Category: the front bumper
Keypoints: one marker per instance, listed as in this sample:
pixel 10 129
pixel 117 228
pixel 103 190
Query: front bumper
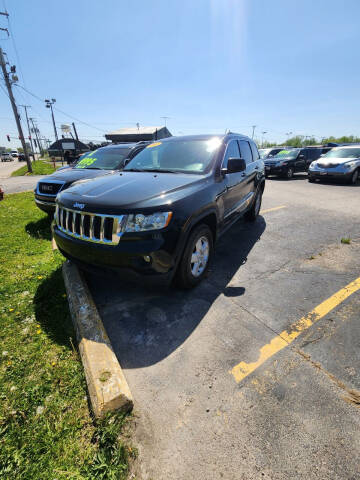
pixel 276 170
pixel 45 203
pixel 133 257
pixel 330 174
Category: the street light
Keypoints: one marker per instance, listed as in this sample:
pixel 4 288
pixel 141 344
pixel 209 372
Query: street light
pixel 49 104
pixel 288 135
pixel 262 140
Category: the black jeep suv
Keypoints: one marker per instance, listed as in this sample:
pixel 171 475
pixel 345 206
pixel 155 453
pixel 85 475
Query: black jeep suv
pixel 289 161
pixel 162 214
pixel 103 161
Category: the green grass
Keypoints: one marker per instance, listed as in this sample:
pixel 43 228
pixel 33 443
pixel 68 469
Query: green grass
pixel 39 168
pixel 46 428
pixel 346 241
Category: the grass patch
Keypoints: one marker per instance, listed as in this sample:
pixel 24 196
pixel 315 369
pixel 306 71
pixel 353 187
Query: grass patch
pixel 46 429
pixel 40 167
pixel 346 241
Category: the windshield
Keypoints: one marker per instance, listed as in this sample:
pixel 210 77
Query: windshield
pixel 104 159
pixel 293 153
pixel 187 156
pixel 343 153
pixel 264 152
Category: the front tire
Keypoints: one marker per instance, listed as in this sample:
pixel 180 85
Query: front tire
pixel 289 173
pixel 354 177
pixel 254 211
pixel 195 261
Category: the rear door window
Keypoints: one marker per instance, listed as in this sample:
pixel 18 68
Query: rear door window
pixel 255 152
pixel 245 151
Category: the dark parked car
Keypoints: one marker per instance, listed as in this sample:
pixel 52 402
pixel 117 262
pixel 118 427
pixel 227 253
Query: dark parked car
pixel 289 161
pixel 341 163
pixel 103 161
pixel 162 214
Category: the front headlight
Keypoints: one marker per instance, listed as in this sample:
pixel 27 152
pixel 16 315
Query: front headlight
pixel 349 164
pixel 313 164
pixel 142 223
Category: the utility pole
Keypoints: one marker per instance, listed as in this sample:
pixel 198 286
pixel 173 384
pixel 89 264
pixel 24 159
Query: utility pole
pixel 13 104
pixel 76 135
pixel 49 104
pixel 28 125
pixel 35 130
pixel 253 132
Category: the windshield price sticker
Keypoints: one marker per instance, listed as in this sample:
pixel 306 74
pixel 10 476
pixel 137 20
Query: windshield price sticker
pixel 154 144
pixel 85 162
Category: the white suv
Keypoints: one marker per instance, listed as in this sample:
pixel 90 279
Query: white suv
pixel 6 157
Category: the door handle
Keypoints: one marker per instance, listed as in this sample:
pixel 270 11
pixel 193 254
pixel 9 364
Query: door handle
pixel 243 174
pixel 257 167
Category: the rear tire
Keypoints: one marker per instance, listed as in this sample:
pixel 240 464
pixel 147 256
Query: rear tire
pixel 252 214
pixel 196 259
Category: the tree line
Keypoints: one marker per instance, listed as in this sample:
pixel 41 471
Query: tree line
pixel 302 141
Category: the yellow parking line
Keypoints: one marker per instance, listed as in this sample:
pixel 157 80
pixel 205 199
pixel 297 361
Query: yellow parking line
pixel 279 342
pixel 272 209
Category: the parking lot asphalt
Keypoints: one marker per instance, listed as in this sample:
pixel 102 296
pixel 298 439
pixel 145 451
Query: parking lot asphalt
pixel 296 414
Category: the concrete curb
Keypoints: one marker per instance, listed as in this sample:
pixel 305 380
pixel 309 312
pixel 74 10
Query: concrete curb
pixel 107 385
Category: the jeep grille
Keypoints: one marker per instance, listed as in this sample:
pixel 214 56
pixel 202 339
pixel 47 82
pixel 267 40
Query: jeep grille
pixel 91 227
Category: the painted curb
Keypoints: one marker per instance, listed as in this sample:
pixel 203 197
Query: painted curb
pixel 108 388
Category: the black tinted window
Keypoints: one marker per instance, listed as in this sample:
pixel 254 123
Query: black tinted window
pixel 315 154
pixel 255 152
pixel 232 151
pixel 245 151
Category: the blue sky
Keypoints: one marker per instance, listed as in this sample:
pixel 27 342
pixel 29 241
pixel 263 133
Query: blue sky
pixel 209 65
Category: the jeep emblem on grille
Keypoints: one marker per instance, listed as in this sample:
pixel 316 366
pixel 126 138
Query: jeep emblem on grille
pixel 79 205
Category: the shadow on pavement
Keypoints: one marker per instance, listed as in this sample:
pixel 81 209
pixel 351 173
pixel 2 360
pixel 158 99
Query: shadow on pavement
pixel 145 326
pixel 297 176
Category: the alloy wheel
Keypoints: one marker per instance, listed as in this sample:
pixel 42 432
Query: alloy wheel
pixel 200 256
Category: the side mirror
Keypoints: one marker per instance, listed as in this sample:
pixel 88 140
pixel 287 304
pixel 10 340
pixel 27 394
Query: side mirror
pixel 126 161
pixel 235 165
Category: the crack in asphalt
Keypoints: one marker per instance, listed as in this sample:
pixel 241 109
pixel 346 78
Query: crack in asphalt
pixel 353 395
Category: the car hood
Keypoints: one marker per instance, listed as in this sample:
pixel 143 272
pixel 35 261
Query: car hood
pixel 335 161
pixel 131 190
pixel 70 175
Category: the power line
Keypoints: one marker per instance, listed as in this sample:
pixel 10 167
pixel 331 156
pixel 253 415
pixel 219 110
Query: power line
pixel 60 111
